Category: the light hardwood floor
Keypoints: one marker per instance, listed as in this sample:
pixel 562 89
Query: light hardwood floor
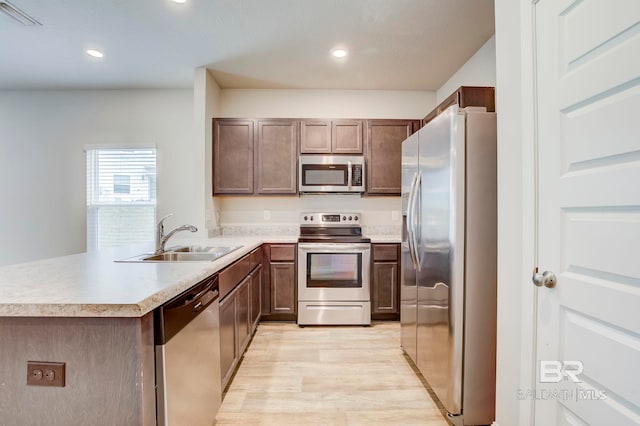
pixel 328 376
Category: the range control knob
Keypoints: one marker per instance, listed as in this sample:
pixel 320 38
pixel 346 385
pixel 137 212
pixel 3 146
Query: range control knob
pixel 356 217
pixel 305 218
pixel 350 218
pixel 311 218
pixel 344 218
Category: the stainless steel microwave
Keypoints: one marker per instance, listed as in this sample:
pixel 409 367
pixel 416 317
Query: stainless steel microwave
pixel 331 174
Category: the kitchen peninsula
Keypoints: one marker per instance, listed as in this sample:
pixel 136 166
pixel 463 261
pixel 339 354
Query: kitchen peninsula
pixel 96 316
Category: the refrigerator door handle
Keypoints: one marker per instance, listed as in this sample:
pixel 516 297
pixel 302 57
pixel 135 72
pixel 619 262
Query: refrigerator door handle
pixel 414 222
pixel 410 229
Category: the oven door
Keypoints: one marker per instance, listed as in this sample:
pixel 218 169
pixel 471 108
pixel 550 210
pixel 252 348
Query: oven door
pixel 333 271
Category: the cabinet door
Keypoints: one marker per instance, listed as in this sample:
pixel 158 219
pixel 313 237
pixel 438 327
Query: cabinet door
pixel 256 297
pixel 243 315
pixel 232 156
pixel 384 155
pixel 384 297
pixel 315 137
pixel 276 157
pixel 283 288
pixel 346 136
pixel 228 338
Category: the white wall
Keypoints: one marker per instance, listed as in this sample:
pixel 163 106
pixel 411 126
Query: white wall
pixel 206 93
pixel 42 161
pixel 377 211
pixel 479 70
pixel 326 103
pixel 285 210
pixel 514 361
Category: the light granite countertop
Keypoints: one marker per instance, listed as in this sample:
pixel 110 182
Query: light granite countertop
pixel 93 285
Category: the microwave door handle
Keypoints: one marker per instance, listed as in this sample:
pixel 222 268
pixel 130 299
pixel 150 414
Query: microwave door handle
pixel 349 175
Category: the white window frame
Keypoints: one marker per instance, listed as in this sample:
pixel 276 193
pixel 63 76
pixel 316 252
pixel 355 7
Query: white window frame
pixel 93 204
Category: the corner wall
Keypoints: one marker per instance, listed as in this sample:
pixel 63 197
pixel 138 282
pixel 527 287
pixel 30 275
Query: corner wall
pixel 479 70
pixel 42 161
pixel 515 359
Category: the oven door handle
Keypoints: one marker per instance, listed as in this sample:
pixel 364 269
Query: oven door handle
pixel 333 247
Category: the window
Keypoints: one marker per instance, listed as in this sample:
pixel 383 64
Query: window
pixel 121 196
pixel 121 184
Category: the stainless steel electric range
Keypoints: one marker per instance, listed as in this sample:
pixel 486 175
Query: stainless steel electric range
pixel 333 270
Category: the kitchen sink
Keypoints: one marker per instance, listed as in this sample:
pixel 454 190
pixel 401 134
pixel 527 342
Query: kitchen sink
pixel 185 254
pixel 180 257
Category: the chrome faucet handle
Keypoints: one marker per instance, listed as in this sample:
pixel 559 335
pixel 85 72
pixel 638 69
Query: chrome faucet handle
pixel 160 233
pixel 161 221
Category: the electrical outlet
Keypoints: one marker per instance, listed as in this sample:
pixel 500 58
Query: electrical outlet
pixel 267 215
pixel 45 373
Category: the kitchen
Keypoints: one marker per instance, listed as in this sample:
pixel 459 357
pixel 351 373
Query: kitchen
pixel 164 116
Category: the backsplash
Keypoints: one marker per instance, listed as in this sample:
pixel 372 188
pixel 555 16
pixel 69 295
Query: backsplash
pixel 255 229
pixel 268 211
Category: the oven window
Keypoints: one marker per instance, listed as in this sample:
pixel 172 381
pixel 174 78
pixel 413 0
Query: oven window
pixel 322 174
pixel 334 270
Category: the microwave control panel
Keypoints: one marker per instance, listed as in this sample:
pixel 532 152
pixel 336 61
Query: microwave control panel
pixel 357 175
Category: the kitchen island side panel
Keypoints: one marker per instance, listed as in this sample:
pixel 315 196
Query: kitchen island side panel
pixel 109 371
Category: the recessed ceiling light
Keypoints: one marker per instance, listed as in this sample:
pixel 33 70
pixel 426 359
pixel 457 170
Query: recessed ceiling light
pixel 339 52
pixel 95 53
pixel 179 1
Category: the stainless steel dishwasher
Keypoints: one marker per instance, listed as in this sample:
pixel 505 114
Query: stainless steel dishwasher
pixel 187 351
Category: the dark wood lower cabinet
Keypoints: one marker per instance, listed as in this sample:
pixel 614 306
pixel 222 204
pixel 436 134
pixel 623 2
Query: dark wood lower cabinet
pixel 244 319
pixel 385 282
pixel 256 297
pixel 283 295
pixel 279 286
pixel 239 310
pixel 228 339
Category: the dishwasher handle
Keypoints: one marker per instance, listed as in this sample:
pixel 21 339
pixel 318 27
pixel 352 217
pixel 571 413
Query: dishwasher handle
pixel 174 315
pixel 192 297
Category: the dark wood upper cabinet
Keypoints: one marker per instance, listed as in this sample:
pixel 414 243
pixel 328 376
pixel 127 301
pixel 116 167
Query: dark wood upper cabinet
pixel 315 137
pixel 233 156
pixel 340 136
pixel 276 150
pixel 346 136
pixel 384 154
pixel 466 96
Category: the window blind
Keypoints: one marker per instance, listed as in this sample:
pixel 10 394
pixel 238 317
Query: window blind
pixel 121 196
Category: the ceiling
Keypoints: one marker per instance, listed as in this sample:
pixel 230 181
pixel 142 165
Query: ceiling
pixel 392 44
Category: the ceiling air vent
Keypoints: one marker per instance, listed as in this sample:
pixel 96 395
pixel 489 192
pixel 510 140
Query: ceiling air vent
pixel 17 15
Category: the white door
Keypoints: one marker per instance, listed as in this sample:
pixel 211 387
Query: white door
pixel 588 326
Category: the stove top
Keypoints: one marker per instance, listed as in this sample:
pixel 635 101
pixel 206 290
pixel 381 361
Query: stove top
pixel 331 227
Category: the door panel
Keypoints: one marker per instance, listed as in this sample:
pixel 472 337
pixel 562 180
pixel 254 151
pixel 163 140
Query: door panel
pixel 589 208
pixel 441 248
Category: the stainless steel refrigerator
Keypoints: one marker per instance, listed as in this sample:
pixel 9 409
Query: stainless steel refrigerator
pixel 448 291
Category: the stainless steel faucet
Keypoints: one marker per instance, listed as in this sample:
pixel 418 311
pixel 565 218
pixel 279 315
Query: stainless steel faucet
pixel 161 238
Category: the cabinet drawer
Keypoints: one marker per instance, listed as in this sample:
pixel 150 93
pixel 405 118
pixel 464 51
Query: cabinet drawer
pixel 283 253
pixel 385 252
pixel 255 258
pixel 232 275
